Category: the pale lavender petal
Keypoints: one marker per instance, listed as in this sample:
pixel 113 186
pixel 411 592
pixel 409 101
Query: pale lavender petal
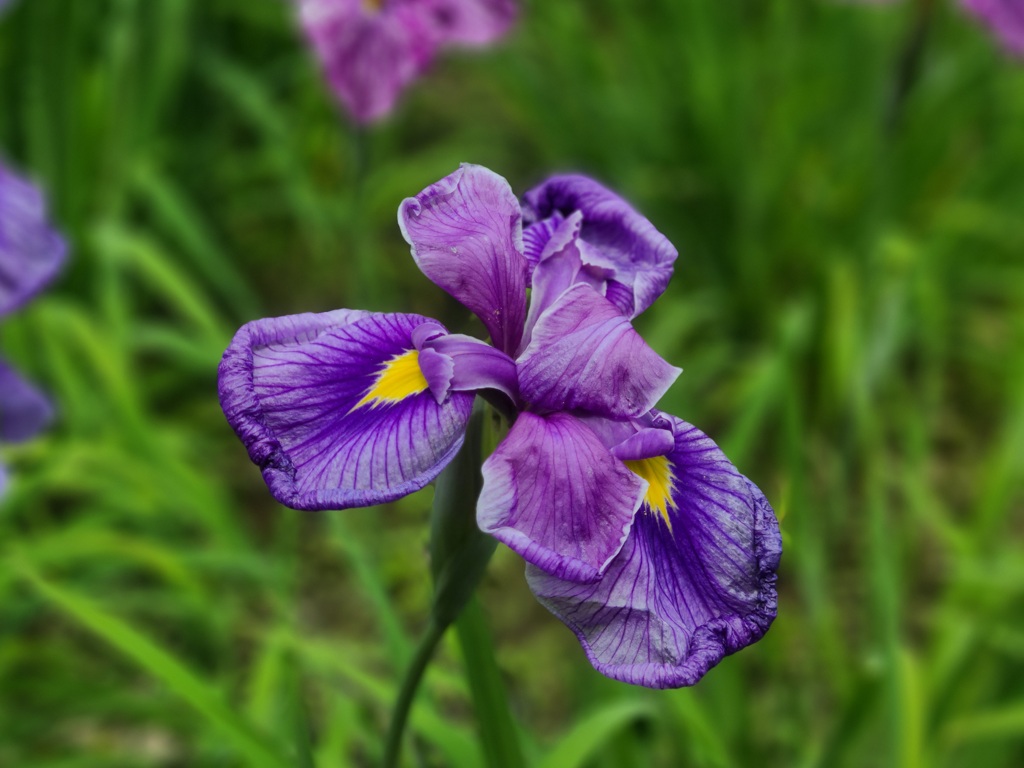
pixel 466 235
pixel 584 355
pixel 620 240
pixel 1005 18
pixel 680 595
pixel 24 410
pixel 368 57
pixel 294 390
pixel 553 493
pixel 31 252
pixel 468 22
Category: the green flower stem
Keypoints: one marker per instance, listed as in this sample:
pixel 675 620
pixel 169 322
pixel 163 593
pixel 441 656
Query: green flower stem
pixel 410 684
pixel 498 735
pixel 459 553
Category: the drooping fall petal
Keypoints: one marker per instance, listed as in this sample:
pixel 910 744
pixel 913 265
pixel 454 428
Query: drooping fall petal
pixel 554 494
pixel 336 409
pixel 695 580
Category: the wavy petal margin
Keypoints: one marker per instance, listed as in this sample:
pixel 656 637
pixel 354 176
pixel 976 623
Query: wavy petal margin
pixel 295 391
pixel 466 235
pixel 616 238
pixel 681 595
pixel 554 494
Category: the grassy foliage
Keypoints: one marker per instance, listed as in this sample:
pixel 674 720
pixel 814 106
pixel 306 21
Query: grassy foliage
pixel 849 310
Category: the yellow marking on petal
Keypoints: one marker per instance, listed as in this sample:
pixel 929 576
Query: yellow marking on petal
pixel 400 378
pixel 372 5
pixel 658 473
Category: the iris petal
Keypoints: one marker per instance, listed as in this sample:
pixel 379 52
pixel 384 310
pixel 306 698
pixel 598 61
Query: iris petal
pixel 24 410
pixel 553 493
pixel 621 241
pixel 469 22
pixel 1005 18
pixel 536 237
pixel 477 366
pixel 584 355
pixel 31 252
pixel 681 594
pixel 293 389
pixel 466 236
pixel 369 58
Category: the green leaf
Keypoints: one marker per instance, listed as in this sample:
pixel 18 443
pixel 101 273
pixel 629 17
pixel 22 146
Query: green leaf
pixel 498 734
pixel 206 700
pixel 594 732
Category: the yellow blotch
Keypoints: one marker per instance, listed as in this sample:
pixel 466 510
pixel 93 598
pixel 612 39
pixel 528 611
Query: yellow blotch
pixel 399 378
pixel 658 473
pixel 372 5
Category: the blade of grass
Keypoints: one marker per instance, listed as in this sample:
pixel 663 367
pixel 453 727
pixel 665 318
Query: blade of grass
pixel 593 732
pixel 257 748
pixel 498 735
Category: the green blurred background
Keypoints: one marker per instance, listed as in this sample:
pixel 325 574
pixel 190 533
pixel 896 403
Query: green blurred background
pixel 848 308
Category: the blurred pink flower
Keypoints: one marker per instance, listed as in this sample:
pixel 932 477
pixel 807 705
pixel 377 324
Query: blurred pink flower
pixel 1005 18
pixel 371 50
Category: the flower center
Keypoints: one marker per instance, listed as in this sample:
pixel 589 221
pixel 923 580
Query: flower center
pixel 658 473
pixel 372 6
pixel 400 378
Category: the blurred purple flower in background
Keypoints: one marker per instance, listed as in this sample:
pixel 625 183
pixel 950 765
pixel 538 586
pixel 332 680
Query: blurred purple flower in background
pixel 637 532
pixel 31 254
pixel 1005 18
pixel 371 50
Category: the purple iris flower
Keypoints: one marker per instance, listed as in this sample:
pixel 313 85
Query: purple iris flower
pixel 1004 17
pixel 31 253
pixel 637 532
pixel 371 50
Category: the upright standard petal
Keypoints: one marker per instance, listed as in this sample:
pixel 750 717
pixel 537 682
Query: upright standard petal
pixel 468 22
pixel 694 582
pixel 369 57
pixel 466 235
pixel 615 238
pixel 31 252
pixel 24 410
pixel 553 493
pixel 1005 18
pixel 336 409
pixel 585 356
